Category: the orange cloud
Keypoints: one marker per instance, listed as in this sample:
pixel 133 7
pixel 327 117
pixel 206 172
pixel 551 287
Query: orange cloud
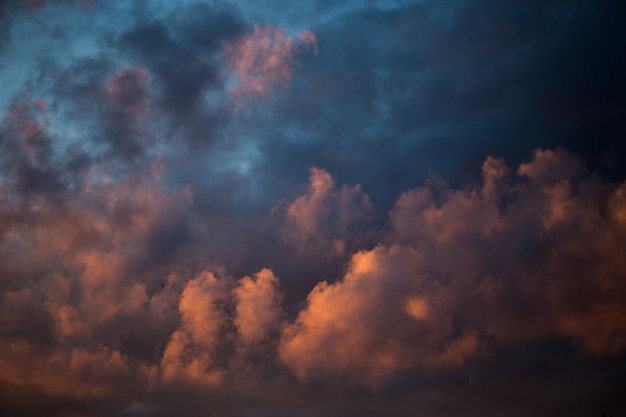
pixel 258 307
pixel 190 351
pixel 326 217
pixel 265 58
pixel 365 325
pixel 82 271
pixel 73 373
pixel 510 261
pixel 457 272
pixel 215 313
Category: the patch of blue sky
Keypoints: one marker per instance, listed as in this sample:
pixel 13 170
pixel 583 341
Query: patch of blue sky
pixel 296 134
pixel 56 34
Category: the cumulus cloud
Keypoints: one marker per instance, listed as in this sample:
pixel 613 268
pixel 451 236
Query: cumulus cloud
pixel 326 217
pixel 464 270
pixel 366 325
pixel 529 254
pixel 162 252
pixel 258 307
pixel 266 58
pixel 459 273
pixel 78 249
pixel 191 349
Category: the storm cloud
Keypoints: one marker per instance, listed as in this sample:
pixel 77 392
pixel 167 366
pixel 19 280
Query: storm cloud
pixel 399 208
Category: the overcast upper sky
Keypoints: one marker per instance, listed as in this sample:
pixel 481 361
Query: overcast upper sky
pixel 312 208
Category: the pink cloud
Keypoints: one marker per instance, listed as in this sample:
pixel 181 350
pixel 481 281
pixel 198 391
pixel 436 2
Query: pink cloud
pixel 128 90
pixel 265 59
pixel 258 307
pixel 458 272
pixel 366 326
pixel 190 351
pixel 214 313
pixel 326 217
pixel 74 373
pixel 548 262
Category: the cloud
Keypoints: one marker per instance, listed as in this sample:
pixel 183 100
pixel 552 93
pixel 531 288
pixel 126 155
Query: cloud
pixel 190 350
pixel 75 373
pixel 265 58
pixel 465 270
pixel 14 12
pixel 458 275
pixel 127 89
pixel 82 247
pixel 170 69
pixel 125 101
pixel 226 329
pixel 402 93
pixel 30 164
pixel 157 243
pixel 326 217
pixel 258 307
pixel 360 326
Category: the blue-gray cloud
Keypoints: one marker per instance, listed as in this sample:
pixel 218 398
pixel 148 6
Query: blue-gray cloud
pixel 142 198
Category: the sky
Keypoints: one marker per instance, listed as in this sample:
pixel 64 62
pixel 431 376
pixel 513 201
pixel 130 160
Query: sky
pixel 313 208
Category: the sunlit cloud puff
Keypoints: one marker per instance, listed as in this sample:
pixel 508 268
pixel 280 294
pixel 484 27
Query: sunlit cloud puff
pixel 266 58
pixel 327 217
pixel 462 270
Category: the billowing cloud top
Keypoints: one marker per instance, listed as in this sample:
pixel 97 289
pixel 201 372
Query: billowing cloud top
pixel 236 209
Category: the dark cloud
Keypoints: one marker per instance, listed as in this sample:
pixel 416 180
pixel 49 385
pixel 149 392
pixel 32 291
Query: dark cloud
pixel 206 212
pixel 29 164
pixel 460 276
pixel 433 89
pixel 180 52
